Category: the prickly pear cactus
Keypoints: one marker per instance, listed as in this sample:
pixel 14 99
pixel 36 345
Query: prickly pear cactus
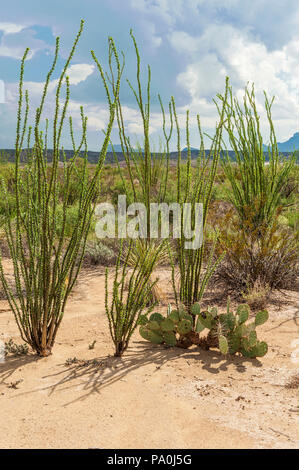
pixel 167 330
pixel 231 333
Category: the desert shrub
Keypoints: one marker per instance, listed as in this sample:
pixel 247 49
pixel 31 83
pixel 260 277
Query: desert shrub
pixel 268 256
pixel 124 310
pixel 46 265
pixel 97 253
pixel 8 174
pixel 149 170
pixel 176 329
pixel 3 158
pixel 229 331
pixel 118 189
pixel 66 219
pixel 144 177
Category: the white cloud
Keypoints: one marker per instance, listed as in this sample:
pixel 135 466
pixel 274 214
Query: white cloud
pixel 225 50
pixel 14 52
pixel 203 78
pixel 10 28
pixel 79 72
pixel 15 40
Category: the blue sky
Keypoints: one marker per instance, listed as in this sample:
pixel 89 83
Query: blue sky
pixel 191 46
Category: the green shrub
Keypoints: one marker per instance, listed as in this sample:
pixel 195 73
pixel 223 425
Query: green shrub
pixel 269 257
pixel 98 253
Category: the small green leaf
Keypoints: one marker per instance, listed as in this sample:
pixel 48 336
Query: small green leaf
pixel 206 319
pixel 186 316
pixel 182 312
pixel 260 349
pixel 230 320
pixel 234 344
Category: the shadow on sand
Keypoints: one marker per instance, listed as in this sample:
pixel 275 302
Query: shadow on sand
pixel 12 363
pixel 96 374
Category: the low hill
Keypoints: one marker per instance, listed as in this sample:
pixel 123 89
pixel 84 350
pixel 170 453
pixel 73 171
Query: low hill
pixel 8 155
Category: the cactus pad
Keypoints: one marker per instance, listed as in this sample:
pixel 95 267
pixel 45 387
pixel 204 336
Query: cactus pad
pixel 195 309
pixel 261 317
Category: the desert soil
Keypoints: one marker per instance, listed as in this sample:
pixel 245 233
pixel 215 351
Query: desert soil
pixel 153 397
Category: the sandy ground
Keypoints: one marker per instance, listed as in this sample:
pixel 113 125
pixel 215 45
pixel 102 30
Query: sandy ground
pixel 153 397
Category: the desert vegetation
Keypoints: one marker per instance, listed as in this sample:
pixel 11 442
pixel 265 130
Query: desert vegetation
pixel 249 245
pixel 48 211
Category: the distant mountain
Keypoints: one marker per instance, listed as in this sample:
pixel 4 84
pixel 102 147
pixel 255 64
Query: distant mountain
pixel 193 149
pixel 288 146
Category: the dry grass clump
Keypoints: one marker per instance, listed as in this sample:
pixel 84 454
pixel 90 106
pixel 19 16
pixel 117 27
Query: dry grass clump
pixel 257 296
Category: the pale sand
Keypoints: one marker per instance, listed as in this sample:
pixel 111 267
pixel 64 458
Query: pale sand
pixel 153 397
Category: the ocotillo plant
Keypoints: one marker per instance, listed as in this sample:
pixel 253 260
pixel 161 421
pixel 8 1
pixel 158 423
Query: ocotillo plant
pixel 143 165
pixel 257 185
pixel 46 266
pixel 126 310
pixel 192 283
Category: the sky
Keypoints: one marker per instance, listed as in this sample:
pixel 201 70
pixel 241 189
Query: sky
pixel 191 46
